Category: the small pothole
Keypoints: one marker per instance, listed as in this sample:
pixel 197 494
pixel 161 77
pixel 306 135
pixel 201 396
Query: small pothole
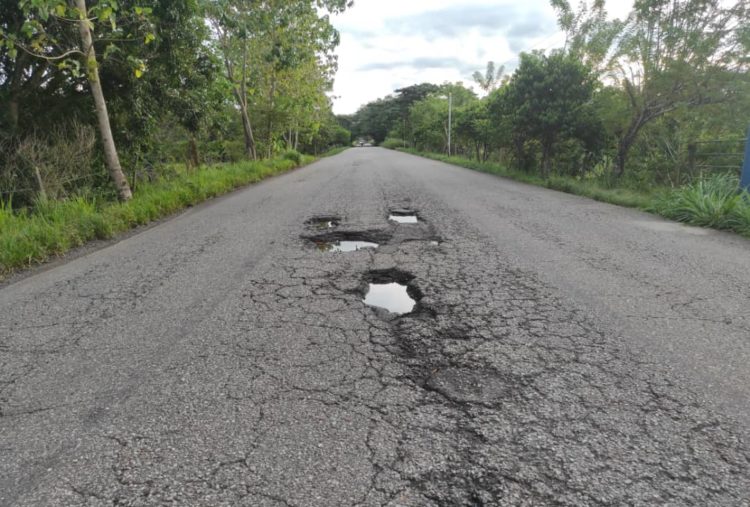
pixel 347 241
pixel 344 246
pixel 391 290
pixel 403 216
pixel 324 222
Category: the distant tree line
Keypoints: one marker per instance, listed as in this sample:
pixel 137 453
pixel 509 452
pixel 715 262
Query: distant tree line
pixel 99 92
pixel 621 97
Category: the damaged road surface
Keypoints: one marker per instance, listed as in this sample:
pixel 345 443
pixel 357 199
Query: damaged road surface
pixel 558 351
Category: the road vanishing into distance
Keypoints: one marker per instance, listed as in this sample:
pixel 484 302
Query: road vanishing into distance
pixel 561 352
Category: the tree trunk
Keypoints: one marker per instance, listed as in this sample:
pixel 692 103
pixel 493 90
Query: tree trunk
pixel 269 126
pixel 546 159
pixel 623 148
pixel 240 93
pixel 13 113
pixel 195 159
pixel 110 151
pixel 628 139
pixel 247 128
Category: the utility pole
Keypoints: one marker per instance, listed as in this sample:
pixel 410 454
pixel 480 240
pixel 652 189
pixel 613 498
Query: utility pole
pixel 450 114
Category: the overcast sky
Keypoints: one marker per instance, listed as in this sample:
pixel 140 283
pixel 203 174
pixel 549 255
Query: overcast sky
pixel 389 44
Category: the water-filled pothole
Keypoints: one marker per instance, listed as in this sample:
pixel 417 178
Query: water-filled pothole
pixel 344 246
pixel 324 222
pixel 348 241
pixel 393 297
pixel 403 216
pixel 391 290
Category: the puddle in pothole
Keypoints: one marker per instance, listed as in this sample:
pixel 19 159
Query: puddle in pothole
pixel 324 222
pixel 404 219
pixel 344 246
pixel 391 296
pixel 403 216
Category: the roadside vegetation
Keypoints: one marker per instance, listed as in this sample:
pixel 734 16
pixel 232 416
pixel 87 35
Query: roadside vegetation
pixel 600 189
pixel 113 114
pixel 712 201
pixel 650 111
pixel 52 227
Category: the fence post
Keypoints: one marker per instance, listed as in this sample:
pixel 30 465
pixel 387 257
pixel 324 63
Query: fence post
pixel 692 148
pixel 745 181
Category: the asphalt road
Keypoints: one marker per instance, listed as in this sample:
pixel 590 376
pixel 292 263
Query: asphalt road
pixel 562 352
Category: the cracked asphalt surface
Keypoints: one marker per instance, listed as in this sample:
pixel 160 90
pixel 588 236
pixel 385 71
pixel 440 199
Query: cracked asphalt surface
pixel 562 352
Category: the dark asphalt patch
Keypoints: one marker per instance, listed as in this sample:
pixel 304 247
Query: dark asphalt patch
pixel 459 385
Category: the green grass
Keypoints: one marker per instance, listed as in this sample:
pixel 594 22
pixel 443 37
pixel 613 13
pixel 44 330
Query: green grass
pixel 593 188
pixel 335 151
pixel 55 227
pixel 712 202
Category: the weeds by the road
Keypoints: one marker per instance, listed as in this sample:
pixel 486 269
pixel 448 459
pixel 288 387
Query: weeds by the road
pixel 592 188
pixel 54 227
pixel 335 151
pixel 711 202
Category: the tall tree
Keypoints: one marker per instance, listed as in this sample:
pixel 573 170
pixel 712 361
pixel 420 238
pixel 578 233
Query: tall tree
pixel 46 34
pixel 232 25
pixel 589 32
pixel 548 99
pixel 679 54
pixel 259 39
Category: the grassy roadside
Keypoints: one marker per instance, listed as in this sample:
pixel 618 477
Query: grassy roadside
pixel 587 188
pixel 713 202
pixel 54 227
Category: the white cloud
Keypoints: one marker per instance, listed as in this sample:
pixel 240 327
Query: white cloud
pixel 388 44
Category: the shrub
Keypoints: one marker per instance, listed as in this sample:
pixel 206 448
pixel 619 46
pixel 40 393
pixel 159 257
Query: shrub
pixel 392 143
pixel 739 220
pixel 57 162
pixel 292 155
pixel 709 202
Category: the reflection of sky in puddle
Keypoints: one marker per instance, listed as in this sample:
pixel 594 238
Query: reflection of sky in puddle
pixel 324 223
pixel 345 246
pixel 404 219
pixel 391 296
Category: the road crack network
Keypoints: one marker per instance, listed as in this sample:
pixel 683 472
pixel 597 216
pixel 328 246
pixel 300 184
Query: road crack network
pixel 494 391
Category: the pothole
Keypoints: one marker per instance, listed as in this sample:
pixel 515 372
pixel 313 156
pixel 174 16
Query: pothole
pixel 390 290
pixel 324 222
pixel 344 246
pixel 347 241
pixel 403 216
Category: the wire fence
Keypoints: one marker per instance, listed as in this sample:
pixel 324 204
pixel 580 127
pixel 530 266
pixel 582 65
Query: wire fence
pixel 36 190
pixel 715 155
